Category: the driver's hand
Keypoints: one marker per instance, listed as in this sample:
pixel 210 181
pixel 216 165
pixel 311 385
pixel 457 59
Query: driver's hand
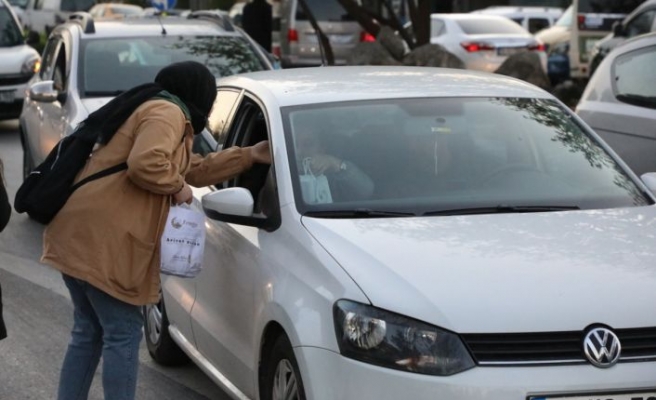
pixel 322 163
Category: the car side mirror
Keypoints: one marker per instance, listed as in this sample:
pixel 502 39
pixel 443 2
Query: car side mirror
pixel 236 202
pixel 44 92
pixel 649 179
pixel 618 29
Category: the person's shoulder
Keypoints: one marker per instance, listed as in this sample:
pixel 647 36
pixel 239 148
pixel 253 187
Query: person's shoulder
pixel 162 107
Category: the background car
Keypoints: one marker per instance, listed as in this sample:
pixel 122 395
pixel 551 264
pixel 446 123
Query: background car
pixel 18 65
pixel 86 63
pixel 556 40
pixel 642 20
pixel 467 267
pixel 114 10
pixel 483 42
pixel 533 19
pixel 41 16
pixel 619 102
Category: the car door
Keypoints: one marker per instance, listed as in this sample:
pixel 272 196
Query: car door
pixel 223 315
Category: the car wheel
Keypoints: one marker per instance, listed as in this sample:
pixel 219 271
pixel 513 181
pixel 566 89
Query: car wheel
pixel 282 379
pixel 160 344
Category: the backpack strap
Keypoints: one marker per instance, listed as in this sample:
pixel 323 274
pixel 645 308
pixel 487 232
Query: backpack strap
pixel 100 174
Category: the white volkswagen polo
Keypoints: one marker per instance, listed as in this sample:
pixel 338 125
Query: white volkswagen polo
pixel 421 234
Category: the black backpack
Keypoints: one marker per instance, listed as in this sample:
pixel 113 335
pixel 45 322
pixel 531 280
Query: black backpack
pixel 45 191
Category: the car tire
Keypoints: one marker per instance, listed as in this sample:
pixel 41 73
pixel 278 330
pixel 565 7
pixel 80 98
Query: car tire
pixel 281 373
pixel 161 346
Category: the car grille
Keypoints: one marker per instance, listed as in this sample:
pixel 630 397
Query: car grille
pixel 7 80
pixel 554 347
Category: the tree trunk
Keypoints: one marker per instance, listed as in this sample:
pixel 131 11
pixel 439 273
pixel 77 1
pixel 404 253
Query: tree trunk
pixel 324 44
pixel 361 15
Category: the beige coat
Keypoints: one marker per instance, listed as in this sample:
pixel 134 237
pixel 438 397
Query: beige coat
pixel 108 232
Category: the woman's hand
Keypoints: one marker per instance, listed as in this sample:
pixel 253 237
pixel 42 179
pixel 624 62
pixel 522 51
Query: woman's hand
pixel 260 152
pixel 183 196
pixel 322 163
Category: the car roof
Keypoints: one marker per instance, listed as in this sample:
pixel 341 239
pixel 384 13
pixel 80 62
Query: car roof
pixel 348 83
pixel 151 26
pixel 636 42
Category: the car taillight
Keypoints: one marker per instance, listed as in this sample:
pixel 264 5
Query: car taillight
pixel 537 47
pixel 581 20
pixel 276 51
pixel 472 47
pixel 367 37
pixel 292 35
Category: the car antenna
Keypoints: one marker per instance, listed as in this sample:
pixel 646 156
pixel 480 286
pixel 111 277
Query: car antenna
pixel 161 24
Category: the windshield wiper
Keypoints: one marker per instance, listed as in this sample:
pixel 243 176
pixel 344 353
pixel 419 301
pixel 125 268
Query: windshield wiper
pixel 103 93
pixel 499 209
pixel 358 213
pixel 638 100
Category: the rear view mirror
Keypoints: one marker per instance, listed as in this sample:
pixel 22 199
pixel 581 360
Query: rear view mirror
pixel 43 92
pixel 649 179
pixel 618 29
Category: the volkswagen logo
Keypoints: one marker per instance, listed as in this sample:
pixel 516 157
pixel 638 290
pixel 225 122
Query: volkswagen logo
pixel 602 347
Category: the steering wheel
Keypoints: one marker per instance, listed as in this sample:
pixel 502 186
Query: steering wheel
pixel 506 169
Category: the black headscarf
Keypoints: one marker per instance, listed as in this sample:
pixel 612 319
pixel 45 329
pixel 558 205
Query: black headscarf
pixel 191 81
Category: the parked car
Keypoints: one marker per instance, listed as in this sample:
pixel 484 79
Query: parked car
pixel 533 19
pixel 86 63
pixel 619 102
pixel 483 42
pixel 556 40
pixel 469 265
pixel 115 10
pixel 18 65
pixel 41 16
pixel 298 41
pixel 19 8
pixel 642 20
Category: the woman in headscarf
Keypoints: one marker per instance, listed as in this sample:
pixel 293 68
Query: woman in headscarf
pixel 105 240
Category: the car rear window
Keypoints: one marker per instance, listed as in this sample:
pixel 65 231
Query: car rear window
pixel 608 6
pixel 11 34
pixel 324 10
pixel 480 26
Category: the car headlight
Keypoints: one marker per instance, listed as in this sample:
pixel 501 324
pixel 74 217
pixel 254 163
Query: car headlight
pixel 382 338
pixel 561 48
pixel 31 66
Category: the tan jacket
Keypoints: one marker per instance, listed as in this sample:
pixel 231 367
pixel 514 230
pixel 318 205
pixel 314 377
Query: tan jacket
pixel 108 232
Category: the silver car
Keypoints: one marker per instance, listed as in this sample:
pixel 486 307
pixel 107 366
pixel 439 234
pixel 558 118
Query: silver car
pixel 619 102
pixel 86 63
pixel 483 42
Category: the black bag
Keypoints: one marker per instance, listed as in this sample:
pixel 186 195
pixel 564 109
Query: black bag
pixel 45 191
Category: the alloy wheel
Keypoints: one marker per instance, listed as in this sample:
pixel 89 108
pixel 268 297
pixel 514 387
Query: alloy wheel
pixel 154 321
pixel 285 386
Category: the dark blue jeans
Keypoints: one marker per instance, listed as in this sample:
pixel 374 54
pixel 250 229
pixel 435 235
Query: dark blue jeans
pixel 102 326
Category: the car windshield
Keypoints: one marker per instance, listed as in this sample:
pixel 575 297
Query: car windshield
pixel 18 3
pixel 111 66
pixel 433 155
pixel 481 26
pixel 324 10
pixel 10 34
pixel 608 6
pixel 566 18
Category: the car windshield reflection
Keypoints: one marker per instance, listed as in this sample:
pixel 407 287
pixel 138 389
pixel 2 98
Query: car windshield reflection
pixel 449 156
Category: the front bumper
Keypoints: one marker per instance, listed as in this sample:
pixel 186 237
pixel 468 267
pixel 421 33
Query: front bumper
pixel 327 376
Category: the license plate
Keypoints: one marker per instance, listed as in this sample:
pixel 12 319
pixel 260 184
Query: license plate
pixel 509 51
pixel 334 39
pixel 622 396
pixel 7 97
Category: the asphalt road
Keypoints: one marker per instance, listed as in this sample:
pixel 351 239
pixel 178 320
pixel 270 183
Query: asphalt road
pixel 38 314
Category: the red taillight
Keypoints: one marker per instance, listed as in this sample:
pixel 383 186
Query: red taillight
pixel 581 20
pixel 538 47
pixel 367 37
pixel 292 35
pixel 276 51
pixel 472 47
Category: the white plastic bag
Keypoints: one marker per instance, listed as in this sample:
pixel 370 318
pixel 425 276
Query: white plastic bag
pixel 315 188
pixel 183 242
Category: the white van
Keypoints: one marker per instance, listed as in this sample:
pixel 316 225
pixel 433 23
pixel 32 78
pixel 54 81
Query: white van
pixel 298 43
pixel 533 19
pixel 43 15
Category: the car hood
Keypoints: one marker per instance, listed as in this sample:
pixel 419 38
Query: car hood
pixel 13 58
pixel 554 271
pixel 553 35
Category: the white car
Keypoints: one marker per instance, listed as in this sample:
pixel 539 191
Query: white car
pixel 533 19
pixel 483 42
pixel 422 233
pixel 619 102
pixel 18 63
